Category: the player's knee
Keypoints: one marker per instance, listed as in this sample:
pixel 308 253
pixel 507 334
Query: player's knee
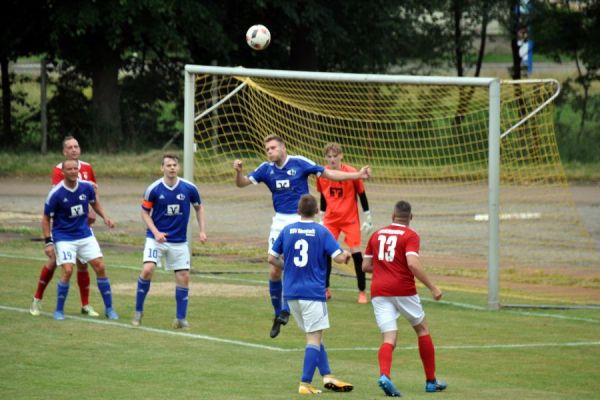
pixel 99 268
pixel 421 329
pixel 67 272
pixel 81 267
pixel 148 271
pixel 275 274
pixel 182 277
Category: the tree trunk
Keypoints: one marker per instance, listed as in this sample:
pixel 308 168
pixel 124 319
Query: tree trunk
pixel 107 130
pixel 485 10
pixel 6 133
pixel 514 46
pixel 44 105
pixel 458 50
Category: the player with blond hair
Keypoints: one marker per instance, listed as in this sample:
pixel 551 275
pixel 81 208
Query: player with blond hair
pixel 340 208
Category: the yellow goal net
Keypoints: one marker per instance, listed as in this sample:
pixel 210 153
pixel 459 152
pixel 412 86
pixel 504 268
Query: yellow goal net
pixel 477 158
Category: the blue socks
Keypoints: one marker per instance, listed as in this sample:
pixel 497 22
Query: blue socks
pixel 323 362
pixel 311 355
pixel 61 295
pixel 143 287
pixel 104 287
pixel 181 297
pixel 276 291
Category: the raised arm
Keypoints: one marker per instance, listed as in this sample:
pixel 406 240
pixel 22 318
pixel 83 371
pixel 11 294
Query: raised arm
pixel 241 180
pixel 337 175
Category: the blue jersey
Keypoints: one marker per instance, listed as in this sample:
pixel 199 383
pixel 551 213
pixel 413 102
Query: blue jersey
pixel 305 246
pixel 287 183
pixel 169 207
pixel 69 210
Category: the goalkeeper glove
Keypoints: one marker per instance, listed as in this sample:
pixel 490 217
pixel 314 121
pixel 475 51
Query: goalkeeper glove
pixel 367 225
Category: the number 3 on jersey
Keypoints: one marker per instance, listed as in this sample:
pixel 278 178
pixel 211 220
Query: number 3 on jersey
pixel 387 247
pixel 301 259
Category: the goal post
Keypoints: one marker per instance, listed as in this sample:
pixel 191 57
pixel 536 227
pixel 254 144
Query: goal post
pixel 439 138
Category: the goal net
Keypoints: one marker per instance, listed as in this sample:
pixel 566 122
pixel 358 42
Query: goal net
pixel 427 141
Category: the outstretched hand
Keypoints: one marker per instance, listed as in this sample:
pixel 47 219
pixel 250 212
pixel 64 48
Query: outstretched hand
pixel 365 172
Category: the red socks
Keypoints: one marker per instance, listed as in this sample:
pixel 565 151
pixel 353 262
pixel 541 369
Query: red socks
pixel 385 358
pixel 427 353
pixel 45 278
pixel 83 280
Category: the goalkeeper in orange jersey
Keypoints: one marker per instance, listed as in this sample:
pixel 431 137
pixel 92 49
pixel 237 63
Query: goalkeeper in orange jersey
pixel 340 208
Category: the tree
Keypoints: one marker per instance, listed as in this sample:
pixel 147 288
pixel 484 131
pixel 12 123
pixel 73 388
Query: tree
pixel 99 38
pixel 23 27
pixel 334 35
pixel 571 30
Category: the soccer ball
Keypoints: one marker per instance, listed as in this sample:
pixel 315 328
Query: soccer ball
pixel 258 37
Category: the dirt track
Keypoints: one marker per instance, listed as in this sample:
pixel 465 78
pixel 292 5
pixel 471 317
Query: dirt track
pixel 21 204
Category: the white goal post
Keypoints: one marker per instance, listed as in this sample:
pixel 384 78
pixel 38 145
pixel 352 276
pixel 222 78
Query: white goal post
pixel 493 85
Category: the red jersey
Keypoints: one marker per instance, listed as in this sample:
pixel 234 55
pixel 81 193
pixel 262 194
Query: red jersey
pixel 86 173
pixel 340 197
pixel 388 247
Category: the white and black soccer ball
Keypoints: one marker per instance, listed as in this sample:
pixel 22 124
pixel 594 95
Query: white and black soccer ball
pixel 258 37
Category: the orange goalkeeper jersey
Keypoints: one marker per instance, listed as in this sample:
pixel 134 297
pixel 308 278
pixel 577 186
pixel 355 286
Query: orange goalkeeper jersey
pixel 340 196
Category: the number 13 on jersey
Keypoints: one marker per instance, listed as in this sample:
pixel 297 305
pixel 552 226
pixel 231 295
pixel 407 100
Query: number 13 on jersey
pixel 387 247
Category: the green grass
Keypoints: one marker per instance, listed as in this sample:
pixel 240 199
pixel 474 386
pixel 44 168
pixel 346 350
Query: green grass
pixel 507 58
pixel 227 354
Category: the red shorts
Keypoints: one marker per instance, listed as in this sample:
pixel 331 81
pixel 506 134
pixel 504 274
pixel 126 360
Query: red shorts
pixel 351 232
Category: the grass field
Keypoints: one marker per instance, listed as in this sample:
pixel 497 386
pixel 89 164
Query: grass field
pixel 227 353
